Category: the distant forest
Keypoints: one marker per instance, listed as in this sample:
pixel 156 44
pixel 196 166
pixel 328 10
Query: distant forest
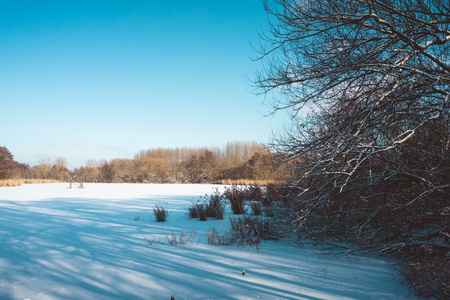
pixel 235 161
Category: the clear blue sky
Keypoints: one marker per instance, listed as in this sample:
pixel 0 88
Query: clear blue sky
pixel 104 79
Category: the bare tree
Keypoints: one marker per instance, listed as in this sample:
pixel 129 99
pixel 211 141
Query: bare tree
pixel 371 159
pixel 61 161
pixel 372 156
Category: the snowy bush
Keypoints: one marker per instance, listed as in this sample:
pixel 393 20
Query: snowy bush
pixel 231 237
pixel 202 210
pixel 160 213
pixel 214 207
pixel 193 210
pixel 237 199
pixel 245 231
pixel 247 227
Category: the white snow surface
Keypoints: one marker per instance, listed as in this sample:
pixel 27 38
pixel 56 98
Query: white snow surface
pixel 60 243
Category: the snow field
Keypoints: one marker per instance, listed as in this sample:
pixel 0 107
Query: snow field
pixel 93 243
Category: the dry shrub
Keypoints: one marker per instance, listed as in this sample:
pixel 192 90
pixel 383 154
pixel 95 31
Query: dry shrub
pixel 245 231
pixel 228 238
pixel 193 210
pixel 249 227
pixel 202 210
pixel 160 213
pixel 174 240
pixel 237 197
pixel 216 238
pixel 216 206
pixel 213 207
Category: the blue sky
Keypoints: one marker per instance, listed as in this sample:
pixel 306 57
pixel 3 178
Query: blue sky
pixel 104 79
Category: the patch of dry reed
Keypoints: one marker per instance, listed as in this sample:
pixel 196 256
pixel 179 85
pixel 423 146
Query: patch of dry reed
pixel 20 181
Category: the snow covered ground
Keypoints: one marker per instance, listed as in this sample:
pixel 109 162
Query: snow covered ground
pixel 92 243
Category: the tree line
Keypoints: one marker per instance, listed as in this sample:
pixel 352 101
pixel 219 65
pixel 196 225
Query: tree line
pixel 235 161
pixel 11 169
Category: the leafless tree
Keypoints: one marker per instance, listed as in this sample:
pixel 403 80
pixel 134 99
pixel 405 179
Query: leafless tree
pixel 368 85
pixel 61 161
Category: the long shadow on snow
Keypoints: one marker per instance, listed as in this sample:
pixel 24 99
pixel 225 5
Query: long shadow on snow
pixel 78 248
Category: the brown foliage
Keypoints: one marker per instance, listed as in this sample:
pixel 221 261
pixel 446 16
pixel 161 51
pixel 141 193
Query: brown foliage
pixel 8 167
pixel 236 161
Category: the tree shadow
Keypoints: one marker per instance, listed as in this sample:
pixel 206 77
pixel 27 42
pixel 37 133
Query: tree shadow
pixel 81 248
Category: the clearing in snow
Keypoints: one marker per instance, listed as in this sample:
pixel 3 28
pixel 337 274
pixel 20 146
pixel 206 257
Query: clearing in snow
pixel 102 242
